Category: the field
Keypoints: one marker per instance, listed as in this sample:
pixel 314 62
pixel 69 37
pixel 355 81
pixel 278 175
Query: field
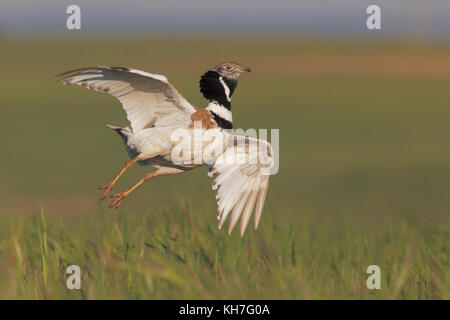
pixel 364 174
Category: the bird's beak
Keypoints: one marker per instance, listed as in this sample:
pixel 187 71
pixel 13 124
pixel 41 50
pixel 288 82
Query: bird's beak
pixel 246 69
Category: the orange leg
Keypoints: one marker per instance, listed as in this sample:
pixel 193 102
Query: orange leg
pixel 122 195
pixel 108 187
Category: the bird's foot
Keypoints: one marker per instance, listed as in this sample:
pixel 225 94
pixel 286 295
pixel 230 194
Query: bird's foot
pixel 119 198
pixel 108 187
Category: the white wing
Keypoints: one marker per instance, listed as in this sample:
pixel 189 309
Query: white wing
pixel 242 180
pixel 148 99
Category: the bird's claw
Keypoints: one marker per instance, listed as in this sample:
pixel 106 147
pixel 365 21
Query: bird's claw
pixel 108 187
pixel 119 198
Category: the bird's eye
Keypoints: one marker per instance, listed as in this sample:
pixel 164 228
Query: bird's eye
pixel 228 67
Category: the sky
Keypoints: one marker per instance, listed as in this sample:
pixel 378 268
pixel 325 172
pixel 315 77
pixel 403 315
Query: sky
pixel 411 18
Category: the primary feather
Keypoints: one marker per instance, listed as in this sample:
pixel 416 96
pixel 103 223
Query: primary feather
pixel 242 175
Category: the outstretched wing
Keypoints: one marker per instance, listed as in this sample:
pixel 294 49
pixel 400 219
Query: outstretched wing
pixel 148 99
pixel 242 180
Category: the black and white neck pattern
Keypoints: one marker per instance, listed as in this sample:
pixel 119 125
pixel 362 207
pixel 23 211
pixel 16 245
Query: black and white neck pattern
pixel 218 90
pixel 221 115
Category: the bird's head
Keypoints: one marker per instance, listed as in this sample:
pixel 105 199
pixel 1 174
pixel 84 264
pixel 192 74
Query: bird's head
pixel 220 82
pixel 230 70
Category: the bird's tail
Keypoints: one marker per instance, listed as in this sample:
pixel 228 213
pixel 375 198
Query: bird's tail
pixel 114 127
pixel 124 133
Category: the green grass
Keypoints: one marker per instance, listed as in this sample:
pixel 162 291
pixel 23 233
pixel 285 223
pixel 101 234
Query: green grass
pixel 177 253
pixel 364 175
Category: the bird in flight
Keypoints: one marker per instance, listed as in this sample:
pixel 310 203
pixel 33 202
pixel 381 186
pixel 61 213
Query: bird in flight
pixel 157 113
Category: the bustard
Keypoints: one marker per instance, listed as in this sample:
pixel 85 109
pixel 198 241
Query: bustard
pixel 156 111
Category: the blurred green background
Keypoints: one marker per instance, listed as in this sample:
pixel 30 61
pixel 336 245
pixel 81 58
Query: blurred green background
pixel 362 126
pixel 364 172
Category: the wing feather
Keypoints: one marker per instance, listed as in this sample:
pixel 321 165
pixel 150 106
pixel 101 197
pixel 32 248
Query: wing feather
pixel 246 214
pixel 229 200
pixel 241 181
pixel 261 198
pixel 237 210
pixel 148 99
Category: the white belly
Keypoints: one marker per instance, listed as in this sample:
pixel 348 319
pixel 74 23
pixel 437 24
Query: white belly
pixel 151 141
pixel 184 147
